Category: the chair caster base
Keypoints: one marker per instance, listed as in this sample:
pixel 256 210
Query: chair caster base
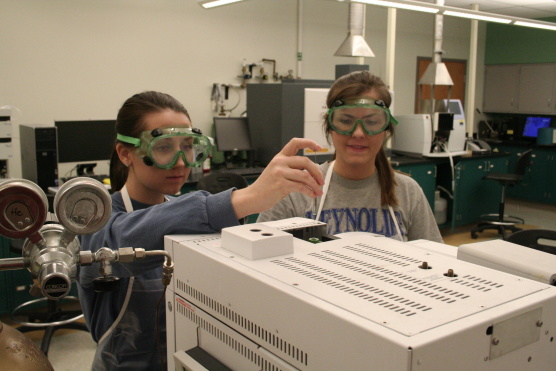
pixel 502 229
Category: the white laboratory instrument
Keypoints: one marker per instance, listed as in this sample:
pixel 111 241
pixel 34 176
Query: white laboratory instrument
pixel 6 148
pixel 355 303
pixel 440 134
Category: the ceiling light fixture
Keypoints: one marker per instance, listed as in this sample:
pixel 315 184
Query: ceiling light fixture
pixel 477 17
pixel 458 12
pixel 391 4
pixel 536 25
pixel 207 4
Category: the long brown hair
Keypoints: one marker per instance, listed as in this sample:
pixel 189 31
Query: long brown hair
pixel 354 85
pixel 130 122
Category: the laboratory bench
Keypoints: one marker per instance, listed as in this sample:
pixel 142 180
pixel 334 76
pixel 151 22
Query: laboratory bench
pixel 472 195
pixel 460 182
pixel 540 176
pixel 419 168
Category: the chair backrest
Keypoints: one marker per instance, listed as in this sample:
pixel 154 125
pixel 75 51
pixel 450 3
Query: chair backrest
pixel 218 182
pixel 538 239
pixel 523 162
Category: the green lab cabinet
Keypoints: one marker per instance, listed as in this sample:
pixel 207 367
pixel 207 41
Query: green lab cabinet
pixel 4 305
pixel 425 175
pixel 21 282
pixel 540 175
pixel 15 283
pixel 514 153
pixel 474 196
pixel 538 183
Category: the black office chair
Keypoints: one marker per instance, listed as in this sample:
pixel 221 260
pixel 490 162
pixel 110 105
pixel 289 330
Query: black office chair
pixel 218 182
pixel 34 315
pixel 501 222
pixel 534 239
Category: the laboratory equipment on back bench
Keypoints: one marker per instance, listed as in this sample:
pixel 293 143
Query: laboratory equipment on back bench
pixel 257 298
pixel 439 134
pixel 6 148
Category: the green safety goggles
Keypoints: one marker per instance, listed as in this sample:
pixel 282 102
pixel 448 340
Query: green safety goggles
pixel 373 115
pixel 163 146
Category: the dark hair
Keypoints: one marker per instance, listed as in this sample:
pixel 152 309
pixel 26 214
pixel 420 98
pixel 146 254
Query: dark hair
pixel 130 122
pixel 355 85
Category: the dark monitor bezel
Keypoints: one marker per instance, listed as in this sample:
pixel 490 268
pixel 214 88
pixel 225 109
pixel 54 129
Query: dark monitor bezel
pixel 85 140
pixel 222 126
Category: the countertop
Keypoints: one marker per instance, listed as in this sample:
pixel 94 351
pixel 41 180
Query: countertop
pixel 401 160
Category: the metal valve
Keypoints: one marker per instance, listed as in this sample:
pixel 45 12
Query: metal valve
pixel 105 257
pixel 51 252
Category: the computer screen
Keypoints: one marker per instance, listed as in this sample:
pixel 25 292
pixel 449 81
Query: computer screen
pixel 454 106
pixel 85 141
pixel 532 125
pixel 232 134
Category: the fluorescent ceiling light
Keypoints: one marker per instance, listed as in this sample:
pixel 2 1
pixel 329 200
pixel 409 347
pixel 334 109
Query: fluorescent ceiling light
pixel 477 17
pixel 212 3
pixel 536 25
pixel 392 4
pixel 458 12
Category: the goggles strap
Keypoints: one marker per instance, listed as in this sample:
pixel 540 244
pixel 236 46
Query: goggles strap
pixel 135 141
pixel 392 119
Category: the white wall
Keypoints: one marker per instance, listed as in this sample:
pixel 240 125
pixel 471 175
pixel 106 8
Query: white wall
pixel 79 60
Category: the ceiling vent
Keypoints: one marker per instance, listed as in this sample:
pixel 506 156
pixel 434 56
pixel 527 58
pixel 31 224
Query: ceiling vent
pixel 355 45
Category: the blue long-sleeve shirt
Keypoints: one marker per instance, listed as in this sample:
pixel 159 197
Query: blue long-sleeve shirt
pixel 145 227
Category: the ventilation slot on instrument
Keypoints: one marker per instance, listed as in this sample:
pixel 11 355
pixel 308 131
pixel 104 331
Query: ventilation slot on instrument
pixel 357 289
pixel 377 281
pixel 226 339
pixel 477 283
pixel 381 254
pixel 253 328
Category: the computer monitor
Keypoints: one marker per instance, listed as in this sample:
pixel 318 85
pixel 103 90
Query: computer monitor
pixel 232 134
pixel 454 106
pixel 85 141
pixel 533 124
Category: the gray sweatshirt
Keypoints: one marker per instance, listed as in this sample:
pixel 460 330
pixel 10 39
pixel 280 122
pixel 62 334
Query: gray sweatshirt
pixel 354 206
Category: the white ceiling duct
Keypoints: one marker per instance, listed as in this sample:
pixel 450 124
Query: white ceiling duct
pixel 355 45
pixel 437 73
